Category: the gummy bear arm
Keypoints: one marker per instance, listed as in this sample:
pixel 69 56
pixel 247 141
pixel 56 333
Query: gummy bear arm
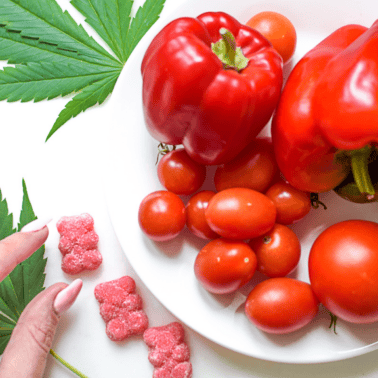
pixel 181 353
pixel 157 358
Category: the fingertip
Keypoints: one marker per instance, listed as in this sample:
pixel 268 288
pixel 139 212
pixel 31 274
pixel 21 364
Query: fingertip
pixel 43 233
pixel 36 225
pixel 65 298
pixel 18 247
pixel 40 233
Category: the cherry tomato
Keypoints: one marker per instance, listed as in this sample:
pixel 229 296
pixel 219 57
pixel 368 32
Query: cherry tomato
pixel 179 174
pixel 223 266
pixel 278 30
pixel 278 251
pixel 240 213
pixel 195 215
pixel 292 204
pixel 162 215
pixel 343 268
pixel 255 168
pixel 281 305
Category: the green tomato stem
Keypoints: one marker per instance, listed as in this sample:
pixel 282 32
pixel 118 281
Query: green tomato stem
pixel 359 163
pixel 333 322
pixel 66 364
pixel 315 201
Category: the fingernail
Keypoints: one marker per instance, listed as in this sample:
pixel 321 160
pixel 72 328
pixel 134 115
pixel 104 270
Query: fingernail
pixel 65 298
pixel 36 225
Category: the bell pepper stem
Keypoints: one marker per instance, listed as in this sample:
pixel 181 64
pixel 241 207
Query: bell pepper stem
pixel 230 44
pixel 359 164
pixel 228 52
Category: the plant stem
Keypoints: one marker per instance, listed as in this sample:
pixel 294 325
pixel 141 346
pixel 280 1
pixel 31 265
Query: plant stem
pixel 333 322
pixel 66 364
pixel 228 53
pixel 230 44
pixel 315 201
pixel 359 163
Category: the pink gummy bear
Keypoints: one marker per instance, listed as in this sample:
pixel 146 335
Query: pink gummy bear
pixel 78 244
pixel 168 352
pixel 121 308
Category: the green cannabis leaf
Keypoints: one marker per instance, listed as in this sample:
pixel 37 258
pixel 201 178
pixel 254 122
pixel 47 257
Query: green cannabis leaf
pixel 54 56
pixel 25 281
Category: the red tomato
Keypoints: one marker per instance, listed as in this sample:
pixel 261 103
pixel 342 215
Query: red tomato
pixel 195 215
pixel 278 251
pixel 180 174
pixel 162 215
pixel 292 204
pixel 240 213
pixel 281 305
pixel 278 30
pixel 255 168
pixel 343 267
pixel 223 266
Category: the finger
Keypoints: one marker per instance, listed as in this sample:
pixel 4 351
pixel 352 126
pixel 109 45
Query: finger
pixel 26 353
pixel 19 246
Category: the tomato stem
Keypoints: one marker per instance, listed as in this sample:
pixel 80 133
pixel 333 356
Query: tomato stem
pixel 163 149
pixel 315 202
pixel 333 322
pixel 267 239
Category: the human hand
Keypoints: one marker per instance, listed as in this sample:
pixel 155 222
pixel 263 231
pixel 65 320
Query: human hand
pixel 26 353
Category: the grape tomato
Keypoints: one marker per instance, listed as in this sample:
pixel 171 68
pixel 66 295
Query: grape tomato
pixel 223 266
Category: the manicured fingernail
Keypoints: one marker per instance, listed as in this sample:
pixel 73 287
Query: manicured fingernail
pixel 65 299
pixel 36 225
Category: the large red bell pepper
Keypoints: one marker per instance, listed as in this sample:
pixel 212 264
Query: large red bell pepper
pixel 210 84
pixel 326 123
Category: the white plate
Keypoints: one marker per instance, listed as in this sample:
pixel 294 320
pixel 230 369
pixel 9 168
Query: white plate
pixel 167 268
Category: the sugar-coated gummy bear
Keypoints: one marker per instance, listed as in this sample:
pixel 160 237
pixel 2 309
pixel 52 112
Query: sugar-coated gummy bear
pixel 121 308
pixel 168 352
pixel 78 244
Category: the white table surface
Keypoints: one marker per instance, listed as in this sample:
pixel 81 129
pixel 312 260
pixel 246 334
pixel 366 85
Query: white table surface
pixel 64 177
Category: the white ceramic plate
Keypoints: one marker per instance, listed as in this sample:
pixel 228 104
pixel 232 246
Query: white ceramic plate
pixel 167 268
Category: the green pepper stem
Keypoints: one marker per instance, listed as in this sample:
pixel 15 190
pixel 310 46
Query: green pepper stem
pixel 359 164
pixel 229 54
pixel 230 44
pixel 67 365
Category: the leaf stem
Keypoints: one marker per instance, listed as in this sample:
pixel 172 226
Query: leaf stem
pixel 66 364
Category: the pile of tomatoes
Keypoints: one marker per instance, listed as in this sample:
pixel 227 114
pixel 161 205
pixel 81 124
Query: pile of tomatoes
pixel 245 220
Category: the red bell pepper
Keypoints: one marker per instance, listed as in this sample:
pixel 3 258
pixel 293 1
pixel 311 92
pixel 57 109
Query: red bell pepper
pixel 326 123
pixel 210 84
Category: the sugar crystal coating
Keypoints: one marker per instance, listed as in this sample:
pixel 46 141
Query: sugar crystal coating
pixel 168 352
pixel 78 244
pixel 121 308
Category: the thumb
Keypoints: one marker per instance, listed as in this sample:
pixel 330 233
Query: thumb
pixel 26 353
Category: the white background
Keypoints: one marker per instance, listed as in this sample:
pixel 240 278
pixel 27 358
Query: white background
pixel 65 177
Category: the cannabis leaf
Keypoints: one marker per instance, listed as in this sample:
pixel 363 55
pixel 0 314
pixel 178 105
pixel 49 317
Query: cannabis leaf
pixel 26 280
pixel 54 56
